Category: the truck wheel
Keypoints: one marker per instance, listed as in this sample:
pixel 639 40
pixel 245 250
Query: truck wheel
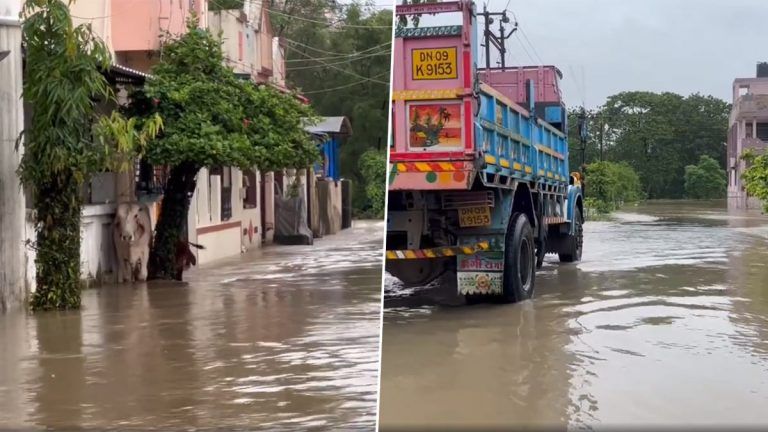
pixel 574 243
pixel 519 260
pixel 416 272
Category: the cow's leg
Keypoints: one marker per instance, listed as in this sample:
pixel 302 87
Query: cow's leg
pixel 120 270
pixel 125 266
pixel 142 268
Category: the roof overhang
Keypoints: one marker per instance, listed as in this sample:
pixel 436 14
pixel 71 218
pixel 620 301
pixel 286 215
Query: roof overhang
pixel 339 126
pixel 125 75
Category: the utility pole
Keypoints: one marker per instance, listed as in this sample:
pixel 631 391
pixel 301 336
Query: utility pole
pixel 498 41
pixel 583 135
pixel 602 127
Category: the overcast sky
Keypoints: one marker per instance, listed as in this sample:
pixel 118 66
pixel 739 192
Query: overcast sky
pixel 683 46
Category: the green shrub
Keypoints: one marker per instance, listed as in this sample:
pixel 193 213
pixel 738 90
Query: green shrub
pixel 373 166
pixel 609 185
pixel 705 180
pixel 755 177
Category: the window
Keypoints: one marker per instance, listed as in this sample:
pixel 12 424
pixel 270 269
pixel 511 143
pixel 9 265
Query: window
pixel 748 130
pixel 150 179
pixel 762 131
pixel 226 190
pixel 743 90
pixel 226 193
pixel 250 184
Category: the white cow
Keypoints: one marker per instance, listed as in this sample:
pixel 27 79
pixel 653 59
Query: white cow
pixel 132 233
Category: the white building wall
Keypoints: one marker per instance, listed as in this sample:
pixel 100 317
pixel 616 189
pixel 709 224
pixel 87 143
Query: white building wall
pixel 12 204
pixel 98 260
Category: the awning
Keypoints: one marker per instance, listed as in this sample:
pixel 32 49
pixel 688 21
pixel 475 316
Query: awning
pixel 339 125
pixel 124 75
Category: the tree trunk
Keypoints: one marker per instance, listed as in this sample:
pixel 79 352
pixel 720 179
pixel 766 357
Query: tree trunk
pixel 57 263
pixel 173 221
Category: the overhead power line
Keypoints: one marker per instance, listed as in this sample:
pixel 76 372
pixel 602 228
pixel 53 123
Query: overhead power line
pixel 330 24
pixel 348 72
pixel 336 53
pixel 531 45
pixel 339 62
pixel 346 85
pixel 517 36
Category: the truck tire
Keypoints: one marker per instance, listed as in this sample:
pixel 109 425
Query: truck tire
pixel 574 243
pixel 519 260
pixel 416 272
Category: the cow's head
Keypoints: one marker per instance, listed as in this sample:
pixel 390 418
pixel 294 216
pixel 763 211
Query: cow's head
pixel 130 221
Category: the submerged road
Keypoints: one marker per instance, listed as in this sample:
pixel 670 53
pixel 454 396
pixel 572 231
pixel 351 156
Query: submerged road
pixel 664 322
pixel 285 337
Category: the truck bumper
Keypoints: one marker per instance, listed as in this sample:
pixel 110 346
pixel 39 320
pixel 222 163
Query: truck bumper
pixel 438 252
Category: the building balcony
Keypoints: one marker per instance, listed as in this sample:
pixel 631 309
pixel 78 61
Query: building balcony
pixel 750 106
pixel 754 144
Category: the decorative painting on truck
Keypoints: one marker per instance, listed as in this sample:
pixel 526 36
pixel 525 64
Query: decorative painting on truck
pixel 480 273
pixel 434 126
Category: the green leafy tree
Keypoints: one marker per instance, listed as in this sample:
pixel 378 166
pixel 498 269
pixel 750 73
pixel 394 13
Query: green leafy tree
pixel 211 118
pixel 373 165
pixel 659 134
pixel 66 141
pixel 706 180
pixel 755 177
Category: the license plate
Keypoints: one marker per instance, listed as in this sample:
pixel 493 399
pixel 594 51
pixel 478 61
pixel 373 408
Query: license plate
pixel 474 216
pixel 434 63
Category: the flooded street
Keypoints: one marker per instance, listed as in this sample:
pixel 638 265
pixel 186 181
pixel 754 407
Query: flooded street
pixel 664 322
pixel 285 337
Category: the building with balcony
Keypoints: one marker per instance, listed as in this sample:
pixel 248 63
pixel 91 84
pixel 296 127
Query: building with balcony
pixel 748 130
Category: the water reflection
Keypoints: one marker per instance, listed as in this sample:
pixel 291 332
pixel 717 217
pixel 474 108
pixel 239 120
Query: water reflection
pixel 282 338
pixel 665 315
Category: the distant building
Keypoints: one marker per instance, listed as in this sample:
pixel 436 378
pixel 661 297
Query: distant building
pixel 748 130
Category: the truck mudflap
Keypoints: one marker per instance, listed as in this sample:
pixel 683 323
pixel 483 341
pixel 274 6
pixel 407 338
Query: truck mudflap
pixel 438 252
pixel 480 273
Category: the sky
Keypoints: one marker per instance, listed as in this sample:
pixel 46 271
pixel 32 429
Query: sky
pixel 607 46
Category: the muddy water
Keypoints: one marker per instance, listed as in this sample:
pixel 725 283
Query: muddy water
pixel 664 322
pixel 284 337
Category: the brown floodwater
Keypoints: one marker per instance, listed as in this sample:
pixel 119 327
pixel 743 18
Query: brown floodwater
pixel 663 323
pixel 286 337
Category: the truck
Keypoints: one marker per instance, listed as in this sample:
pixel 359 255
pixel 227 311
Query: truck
pixel 478 186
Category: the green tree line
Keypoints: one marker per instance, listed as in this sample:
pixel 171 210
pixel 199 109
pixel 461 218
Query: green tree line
pixel 659 136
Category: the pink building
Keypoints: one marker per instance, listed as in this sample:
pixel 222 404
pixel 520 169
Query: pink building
pixel 232 210
pixel 748 129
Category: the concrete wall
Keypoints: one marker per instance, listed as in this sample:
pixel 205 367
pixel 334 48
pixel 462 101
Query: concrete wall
pixel 225 238
pixel 12 204
pixel 329 206
pixel 138 24
pixel 278 61
pixel 98 258
pixel 268 200
pixel 238 39
pixel 93 12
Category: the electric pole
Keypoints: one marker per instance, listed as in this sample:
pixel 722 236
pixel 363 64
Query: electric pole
pixel 498 41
